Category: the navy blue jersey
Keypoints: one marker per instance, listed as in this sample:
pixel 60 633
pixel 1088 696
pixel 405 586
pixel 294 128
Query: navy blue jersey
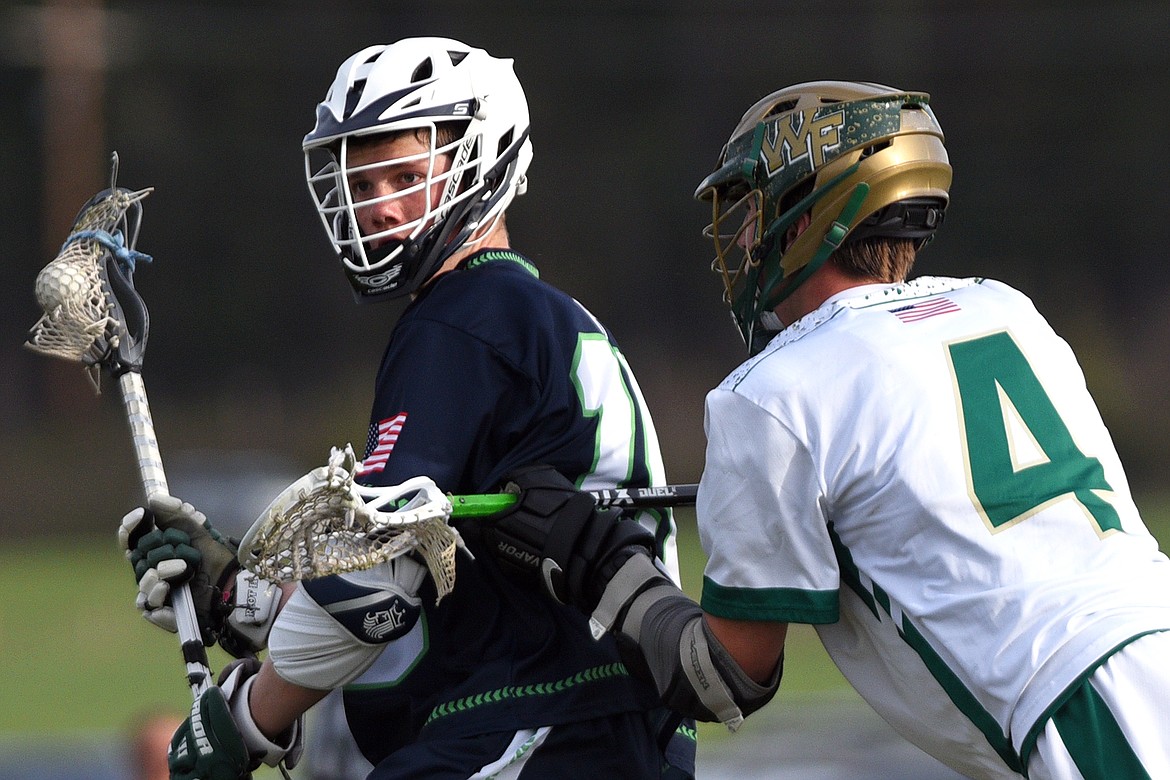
pixel 490 370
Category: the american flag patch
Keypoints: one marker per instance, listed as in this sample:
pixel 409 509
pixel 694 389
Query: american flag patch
pixel 380 443
pixel 924 309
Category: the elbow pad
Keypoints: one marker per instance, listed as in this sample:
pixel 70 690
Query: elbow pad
pixel 692 672
pixel 333 629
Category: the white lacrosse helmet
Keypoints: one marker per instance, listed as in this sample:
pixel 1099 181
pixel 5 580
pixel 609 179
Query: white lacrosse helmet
pixel 411 85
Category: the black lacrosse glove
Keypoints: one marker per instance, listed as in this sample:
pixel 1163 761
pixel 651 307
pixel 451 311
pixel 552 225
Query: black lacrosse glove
pixel 170 543
pixel 555 538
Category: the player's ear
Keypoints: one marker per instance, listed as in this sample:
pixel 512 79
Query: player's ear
pixel 796 228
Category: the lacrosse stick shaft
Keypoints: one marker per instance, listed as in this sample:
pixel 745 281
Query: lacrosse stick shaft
pixel 154 483
pixel 660 497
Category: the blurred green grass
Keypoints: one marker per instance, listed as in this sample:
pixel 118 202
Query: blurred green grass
pixel 77 657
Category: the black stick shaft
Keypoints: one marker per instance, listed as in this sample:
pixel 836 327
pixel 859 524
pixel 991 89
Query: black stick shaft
pixel 663 496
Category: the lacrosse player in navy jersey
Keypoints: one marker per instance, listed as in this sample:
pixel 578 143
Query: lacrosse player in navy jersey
pixel 418 149
pixel 914 467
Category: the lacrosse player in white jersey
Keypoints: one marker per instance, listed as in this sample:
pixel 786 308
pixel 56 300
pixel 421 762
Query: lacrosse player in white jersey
pixel 914 467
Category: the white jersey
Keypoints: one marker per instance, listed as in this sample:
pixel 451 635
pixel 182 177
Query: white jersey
pixel 920 470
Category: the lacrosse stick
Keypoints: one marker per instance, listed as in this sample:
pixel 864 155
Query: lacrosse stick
pixel 325 523
pixel 93 315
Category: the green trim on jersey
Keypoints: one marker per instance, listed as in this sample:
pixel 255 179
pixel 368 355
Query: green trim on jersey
pixel 1093 739
pixel 503 254
pixel 1102 740
pixel 786 605
pixel 583 677
pixel 688 733
pixel 954 688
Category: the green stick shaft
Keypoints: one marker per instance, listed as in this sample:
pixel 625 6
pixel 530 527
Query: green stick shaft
pixel 481 505
pixel 657 497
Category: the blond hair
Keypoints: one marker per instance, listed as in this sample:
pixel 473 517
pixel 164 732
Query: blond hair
pixel 881 258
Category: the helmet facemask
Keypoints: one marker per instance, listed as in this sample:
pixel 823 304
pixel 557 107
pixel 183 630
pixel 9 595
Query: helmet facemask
pixel 758 283
pixel 736 228
pixel 444 203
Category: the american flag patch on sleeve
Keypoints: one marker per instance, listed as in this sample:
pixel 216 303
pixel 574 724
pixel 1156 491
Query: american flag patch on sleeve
pixel 380 443
pixel 924 309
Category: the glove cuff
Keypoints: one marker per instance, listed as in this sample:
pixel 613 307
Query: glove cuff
pixel 637 574
pixel 253 604
pixel 260 748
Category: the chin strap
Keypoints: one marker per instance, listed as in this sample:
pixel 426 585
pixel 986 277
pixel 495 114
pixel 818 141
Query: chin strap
pixel 832 241
pixel 763 295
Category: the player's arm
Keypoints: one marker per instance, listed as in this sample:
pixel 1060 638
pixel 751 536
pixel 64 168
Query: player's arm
pixel 276 703
pixel 327 633
pixel 557 540
pixel 756 645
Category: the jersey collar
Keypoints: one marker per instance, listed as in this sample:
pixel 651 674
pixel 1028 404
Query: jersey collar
pixel 485 256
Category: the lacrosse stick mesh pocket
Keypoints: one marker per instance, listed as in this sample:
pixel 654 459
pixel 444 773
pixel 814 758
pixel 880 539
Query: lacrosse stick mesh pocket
pixel 321 525
pixel 76 312
pixel 80 318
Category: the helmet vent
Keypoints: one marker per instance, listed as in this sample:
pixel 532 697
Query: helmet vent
pixel 505 142
pixel 875 148
pixel 424 71
pixel 354 96
pixel 457 56
pixel 780 108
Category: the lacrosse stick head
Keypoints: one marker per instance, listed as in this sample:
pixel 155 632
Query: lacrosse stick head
pixel 326 524
pixel 91 311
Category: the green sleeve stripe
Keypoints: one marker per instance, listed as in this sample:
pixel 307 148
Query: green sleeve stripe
pixel 878 602
pixel 785 605
pixel 1116 752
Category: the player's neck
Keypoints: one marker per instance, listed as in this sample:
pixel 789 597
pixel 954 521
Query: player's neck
pixel 825 282
pixel 495 237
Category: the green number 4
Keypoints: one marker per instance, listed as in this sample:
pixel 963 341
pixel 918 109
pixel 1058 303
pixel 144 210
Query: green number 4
pixel 1020 455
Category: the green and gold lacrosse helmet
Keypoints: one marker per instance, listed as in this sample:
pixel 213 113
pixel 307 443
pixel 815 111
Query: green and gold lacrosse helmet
pixel 863 159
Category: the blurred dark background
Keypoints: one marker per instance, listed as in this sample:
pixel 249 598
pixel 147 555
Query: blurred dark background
pixel 258 359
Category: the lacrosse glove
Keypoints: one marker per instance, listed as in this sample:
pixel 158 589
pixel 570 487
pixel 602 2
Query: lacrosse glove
pixel 556 538
pixel 220 740
pixel 170 543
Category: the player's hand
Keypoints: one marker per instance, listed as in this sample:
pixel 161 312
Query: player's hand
pixel 208 746
pixel 169 543
pixel 556 537
pixel 220 739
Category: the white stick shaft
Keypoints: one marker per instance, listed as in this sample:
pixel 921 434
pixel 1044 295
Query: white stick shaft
pixel 154 479
pixel 154 482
